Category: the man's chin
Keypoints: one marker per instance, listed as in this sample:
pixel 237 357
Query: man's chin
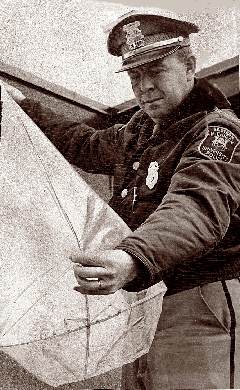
pixel 157 114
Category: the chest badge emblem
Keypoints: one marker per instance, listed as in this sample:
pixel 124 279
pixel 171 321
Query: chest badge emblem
pixel 152 177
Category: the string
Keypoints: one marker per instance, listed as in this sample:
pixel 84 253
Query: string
pixel 99 321
pixel 54 195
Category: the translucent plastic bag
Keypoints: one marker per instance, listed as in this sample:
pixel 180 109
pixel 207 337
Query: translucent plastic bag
pixel 47 214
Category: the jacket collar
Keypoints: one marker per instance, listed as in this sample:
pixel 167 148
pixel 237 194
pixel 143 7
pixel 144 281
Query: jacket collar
pixel 204 97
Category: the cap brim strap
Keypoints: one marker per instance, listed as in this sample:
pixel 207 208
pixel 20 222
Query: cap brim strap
pixel 146 61
pixel 152 47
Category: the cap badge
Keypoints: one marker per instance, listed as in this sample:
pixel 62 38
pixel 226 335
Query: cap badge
pixel 134 35
pixel 152 177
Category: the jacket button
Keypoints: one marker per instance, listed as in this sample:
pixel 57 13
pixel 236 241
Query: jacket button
pixel 136 165
pixel 124 193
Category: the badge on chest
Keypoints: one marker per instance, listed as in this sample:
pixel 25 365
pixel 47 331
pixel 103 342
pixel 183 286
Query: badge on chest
pixel 152 177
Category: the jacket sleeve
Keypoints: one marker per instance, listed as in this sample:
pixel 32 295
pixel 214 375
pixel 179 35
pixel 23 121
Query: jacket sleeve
pixel 194 215
pixel 92 150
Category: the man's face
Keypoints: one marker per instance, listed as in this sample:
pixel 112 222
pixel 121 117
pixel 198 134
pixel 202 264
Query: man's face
pixel 160 86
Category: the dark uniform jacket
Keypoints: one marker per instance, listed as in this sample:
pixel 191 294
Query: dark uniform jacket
pixel 177 189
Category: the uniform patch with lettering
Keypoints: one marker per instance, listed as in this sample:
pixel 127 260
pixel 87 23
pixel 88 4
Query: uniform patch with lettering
pixel 219 144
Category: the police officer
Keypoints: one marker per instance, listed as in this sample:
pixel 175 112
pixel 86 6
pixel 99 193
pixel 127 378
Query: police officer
pixel 177 185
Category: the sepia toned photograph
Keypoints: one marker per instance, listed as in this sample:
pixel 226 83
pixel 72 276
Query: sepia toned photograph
pixel 119 195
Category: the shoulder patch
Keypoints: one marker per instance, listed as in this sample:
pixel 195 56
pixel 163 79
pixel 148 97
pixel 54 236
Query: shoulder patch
pixel 219 144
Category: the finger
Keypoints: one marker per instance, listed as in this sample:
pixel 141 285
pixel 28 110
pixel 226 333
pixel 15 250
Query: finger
pixel 88 260
pixel 91 286
pixel 89 272
pixel 77 259
pixel 88 284
pixel 92 292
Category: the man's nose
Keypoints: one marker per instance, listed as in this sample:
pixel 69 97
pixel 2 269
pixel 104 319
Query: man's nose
pixel 146 83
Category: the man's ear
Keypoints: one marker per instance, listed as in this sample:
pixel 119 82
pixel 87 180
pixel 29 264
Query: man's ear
pixel 190 67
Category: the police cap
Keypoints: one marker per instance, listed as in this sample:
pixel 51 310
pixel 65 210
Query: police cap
pixel 141 38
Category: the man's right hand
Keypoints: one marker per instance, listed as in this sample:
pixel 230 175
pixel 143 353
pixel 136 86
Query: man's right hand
pixel 14 93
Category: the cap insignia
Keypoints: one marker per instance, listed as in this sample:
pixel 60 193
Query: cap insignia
pixel 134 35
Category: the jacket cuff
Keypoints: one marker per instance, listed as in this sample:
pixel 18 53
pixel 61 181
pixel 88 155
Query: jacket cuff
pixel 143 280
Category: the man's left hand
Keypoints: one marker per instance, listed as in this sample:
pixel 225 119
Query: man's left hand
pixel 104 273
